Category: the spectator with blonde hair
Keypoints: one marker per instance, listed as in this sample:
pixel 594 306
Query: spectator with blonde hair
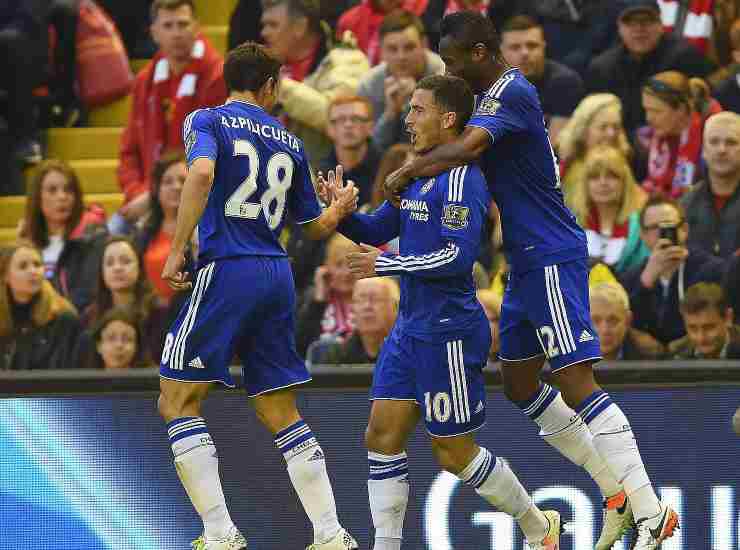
pixel 596 121
pixel 607 202
pixel 675 107
pixel 374 307
pixel 612 318
pixel 38 327
pixel 58 223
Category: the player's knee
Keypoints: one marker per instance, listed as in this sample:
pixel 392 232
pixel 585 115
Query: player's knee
pixel 383 439
pixel 450 458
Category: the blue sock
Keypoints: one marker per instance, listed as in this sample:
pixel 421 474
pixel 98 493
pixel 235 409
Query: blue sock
pixel 536 405
pixel 594 405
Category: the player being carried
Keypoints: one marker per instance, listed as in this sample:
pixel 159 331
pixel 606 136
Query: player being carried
pixel 245 172
pixel 545 306
pixel 431 364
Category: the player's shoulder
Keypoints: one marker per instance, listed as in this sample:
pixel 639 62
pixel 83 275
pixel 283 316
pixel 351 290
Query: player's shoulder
pixel 462 181
pixel 510 90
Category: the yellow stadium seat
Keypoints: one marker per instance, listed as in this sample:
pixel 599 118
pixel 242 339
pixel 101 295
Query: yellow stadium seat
pixel 113 114
pixel 84 143
pixel 14 208
pixel 214 12
pixel 218 35
pixel 7 235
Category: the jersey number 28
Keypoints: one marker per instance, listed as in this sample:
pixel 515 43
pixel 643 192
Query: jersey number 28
pixel 279 177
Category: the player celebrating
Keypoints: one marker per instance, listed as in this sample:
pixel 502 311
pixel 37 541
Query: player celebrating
pixel 245 169
pixel 433 358
pixel 545 306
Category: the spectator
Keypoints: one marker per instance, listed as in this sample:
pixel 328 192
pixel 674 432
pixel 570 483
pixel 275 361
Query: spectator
pixel 315 69
pixel 713 205
pixel 38 327
pixel 325 310
pixel 727 90
pixel 731 284
pixel 350 128
pixel 67 234
pixel 389 86
pixel 710 330
pixel 675 107
pixel 607 204
pixel 596 121
pixel 184 75
pixel 122 282
pixel 644 50
pixel 491 303
pixel 374 306
pixel 117 338
pixel 658 285
pixel 560 88
pixel 364 22
pixel 611 316
pixel 435 10
pixel 154 238
pixel 24 59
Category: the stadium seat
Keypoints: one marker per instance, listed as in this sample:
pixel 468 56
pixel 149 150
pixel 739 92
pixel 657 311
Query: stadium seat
pixel 84 143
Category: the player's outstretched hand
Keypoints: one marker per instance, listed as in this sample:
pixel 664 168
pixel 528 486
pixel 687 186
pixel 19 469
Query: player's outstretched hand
pixel 323 190
pixel 362 263
pixel 345 194
pixel 173 274
pixel 395 183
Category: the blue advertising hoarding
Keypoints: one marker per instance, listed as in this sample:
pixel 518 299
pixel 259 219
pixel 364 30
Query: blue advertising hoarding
pixel 95 472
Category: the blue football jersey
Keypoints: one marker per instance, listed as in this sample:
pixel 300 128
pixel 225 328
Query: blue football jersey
pixel 522 173
pixel 440 225
pixel 261 169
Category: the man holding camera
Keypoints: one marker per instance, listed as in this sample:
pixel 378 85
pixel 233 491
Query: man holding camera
pixel 657 286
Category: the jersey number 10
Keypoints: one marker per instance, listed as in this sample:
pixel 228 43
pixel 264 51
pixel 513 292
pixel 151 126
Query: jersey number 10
pixel 279 178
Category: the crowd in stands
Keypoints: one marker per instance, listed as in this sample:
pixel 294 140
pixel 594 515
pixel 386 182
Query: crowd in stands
pixel 641 100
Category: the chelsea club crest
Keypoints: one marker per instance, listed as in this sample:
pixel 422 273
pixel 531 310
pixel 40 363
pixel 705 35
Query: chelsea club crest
pixel 426 187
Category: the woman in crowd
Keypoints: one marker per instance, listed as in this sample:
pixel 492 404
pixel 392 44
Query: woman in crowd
pixel 117 337
pixel 607 202
pixel 38 327
pixel 154 238
pixel 123 282
pixel 675 107
pixel 596 121
pixel 326 310
pixel 65 232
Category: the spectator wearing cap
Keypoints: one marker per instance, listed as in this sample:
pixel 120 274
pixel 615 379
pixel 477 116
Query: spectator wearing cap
pixel 315 68
pixel 185 74
pixel 388 86
pixel 350 128
pixel 657 286
pixel 713 205
pixel 612 318
pixel 644 50
pixel 710 332
pixel 675 107
pixel 560 88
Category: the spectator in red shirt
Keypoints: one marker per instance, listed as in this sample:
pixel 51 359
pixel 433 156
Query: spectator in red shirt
pixel 364 22
pixel 185 74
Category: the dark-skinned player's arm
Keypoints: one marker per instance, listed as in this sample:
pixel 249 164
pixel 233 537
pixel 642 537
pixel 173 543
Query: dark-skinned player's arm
pixel 465 149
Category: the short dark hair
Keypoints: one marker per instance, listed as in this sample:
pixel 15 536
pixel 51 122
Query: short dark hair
pixel 169 5
pixel 520 23
pixel 398 21
pixel 450 93
pixel 658 199
pixel 704 296
pixel 470 28
pixel 249 66
pixel 310 9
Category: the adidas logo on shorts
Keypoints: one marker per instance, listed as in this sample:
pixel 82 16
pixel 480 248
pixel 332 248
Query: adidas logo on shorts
pixel 585 337
pixel 196 364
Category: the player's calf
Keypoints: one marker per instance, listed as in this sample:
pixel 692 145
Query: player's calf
pixel 454 454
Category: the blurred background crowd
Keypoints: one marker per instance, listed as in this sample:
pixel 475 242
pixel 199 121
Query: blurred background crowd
pixel 641 99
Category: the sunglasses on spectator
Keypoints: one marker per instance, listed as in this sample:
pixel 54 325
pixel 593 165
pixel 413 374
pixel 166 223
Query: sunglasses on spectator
pixel 353 119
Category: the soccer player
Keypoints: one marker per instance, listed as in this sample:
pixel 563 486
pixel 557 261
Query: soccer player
pixel 245 170
pixel 545 306
pixel 431 363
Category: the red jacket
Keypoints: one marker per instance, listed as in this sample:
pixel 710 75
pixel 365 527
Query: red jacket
pixel 160 103
pixel 364 22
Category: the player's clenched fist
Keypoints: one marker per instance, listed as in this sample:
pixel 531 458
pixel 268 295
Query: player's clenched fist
pixel 172 272
pixel 362 263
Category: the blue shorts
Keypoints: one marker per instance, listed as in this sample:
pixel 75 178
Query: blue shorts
pixel 239 307
pixel 443 377
pixel 547 311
